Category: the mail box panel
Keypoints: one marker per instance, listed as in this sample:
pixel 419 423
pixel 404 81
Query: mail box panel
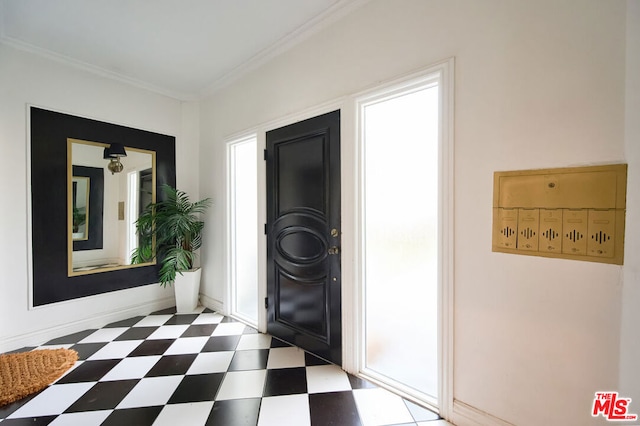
pixel 601 230
pixel 573 213
pixel 574 230
pixel 528 220
pixel 550 235
pixel 560 190
pixel 506 231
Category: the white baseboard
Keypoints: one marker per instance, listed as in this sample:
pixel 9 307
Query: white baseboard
pixel 39 337
pixel 466 415
pixel 213 304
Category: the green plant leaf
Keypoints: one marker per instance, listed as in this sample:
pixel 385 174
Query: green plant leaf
pixel 175 226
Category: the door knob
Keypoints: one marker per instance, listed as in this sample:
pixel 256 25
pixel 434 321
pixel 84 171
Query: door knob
pixel 334 250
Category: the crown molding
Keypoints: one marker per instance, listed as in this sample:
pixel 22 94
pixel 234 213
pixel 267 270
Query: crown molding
pixel 334 13
pixel 93 69
pixel 338 10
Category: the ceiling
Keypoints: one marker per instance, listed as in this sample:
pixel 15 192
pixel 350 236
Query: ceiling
pixel 184 49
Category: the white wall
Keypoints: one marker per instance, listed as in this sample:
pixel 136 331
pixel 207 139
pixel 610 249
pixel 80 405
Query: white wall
pixel 538 84
pixel 629 336
pixel 187 151
pixel 29 79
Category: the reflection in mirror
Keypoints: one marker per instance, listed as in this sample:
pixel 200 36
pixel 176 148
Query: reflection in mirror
pixel 124 195
pixel 86 214
pixel 80 207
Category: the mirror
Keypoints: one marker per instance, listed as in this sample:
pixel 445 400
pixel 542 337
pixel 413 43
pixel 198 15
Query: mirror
pixel 80 208
pixel 102 207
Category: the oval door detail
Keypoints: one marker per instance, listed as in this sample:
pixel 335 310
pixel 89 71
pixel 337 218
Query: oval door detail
pixel 301 245
pixel 303 206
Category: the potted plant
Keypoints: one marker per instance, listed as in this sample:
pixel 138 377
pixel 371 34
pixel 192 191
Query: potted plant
pixel 79 218
pixel 173 227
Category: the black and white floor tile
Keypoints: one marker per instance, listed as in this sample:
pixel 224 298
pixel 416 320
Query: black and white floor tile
pixel 203 369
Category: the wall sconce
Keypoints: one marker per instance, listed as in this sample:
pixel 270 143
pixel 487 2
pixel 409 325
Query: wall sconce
pixel 113 153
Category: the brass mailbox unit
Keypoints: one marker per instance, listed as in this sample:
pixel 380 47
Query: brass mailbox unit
pixel 572 213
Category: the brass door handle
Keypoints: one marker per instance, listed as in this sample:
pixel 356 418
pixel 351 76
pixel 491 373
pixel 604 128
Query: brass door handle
pixel 334 250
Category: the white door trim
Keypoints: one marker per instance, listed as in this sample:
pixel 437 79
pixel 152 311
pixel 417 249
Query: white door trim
pixel 351 232
pixel 352 213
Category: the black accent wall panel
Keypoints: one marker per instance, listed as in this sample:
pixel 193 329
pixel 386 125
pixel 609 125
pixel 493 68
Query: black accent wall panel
pixel 49 133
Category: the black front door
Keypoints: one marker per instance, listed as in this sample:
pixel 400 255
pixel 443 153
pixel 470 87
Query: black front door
pixel 303 235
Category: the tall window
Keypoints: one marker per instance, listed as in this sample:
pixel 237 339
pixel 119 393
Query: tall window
pixel 399 139
pixel 243 198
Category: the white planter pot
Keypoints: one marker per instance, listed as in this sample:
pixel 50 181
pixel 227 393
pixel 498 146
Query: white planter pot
pixel 187 288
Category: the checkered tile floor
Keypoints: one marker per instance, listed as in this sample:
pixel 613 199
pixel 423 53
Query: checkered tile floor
pixel 203 369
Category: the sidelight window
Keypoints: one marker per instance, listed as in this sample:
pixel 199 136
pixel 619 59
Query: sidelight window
pixel 399 140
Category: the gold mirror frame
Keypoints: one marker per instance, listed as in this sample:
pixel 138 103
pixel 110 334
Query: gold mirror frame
pixel 124 262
